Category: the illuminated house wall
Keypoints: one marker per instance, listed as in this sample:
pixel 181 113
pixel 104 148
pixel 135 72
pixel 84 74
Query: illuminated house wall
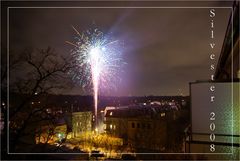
pixel 226 112
pixel 81 122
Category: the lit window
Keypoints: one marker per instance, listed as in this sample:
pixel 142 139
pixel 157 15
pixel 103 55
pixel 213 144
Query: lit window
pixel 111 113
pixel 162 114
pixel 114 127
pixel 110 126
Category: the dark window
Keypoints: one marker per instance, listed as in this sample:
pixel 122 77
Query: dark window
pixel 133 125
pixel 149 126
pixel 138 125
pixel 143 126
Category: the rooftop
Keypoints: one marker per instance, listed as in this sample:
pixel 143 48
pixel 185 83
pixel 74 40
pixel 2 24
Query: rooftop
pixel 142 110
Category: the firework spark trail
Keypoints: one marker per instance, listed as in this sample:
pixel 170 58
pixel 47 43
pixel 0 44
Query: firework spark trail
pixel 95 68
pixel 97 61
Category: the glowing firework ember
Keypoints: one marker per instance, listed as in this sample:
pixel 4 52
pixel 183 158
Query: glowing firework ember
pixel 97 61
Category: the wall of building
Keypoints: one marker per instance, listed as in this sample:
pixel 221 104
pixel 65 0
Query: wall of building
pixel 140 132
pixel 81 122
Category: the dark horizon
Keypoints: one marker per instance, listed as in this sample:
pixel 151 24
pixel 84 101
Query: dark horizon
pixel 99 96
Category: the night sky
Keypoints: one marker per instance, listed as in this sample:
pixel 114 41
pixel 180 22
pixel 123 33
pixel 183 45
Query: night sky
pixel 164 48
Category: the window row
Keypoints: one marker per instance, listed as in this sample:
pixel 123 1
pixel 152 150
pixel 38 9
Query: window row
pixel 142 125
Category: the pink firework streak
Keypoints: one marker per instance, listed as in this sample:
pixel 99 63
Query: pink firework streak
pixel 95 68
pixel 96 60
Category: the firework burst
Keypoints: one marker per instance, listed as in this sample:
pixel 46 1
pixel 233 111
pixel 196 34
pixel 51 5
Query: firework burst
pixel 97 61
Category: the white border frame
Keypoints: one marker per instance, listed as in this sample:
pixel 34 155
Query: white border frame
pixel 113 7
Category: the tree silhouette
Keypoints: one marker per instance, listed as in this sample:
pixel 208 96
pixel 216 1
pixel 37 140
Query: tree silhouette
pixel 33 74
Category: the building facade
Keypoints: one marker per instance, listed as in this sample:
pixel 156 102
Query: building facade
pixel 140 127
pixel 81 122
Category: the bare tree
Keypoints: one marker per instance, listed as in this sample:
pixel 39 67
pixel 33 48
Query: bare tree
pixel 36 73
pixel 41 71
